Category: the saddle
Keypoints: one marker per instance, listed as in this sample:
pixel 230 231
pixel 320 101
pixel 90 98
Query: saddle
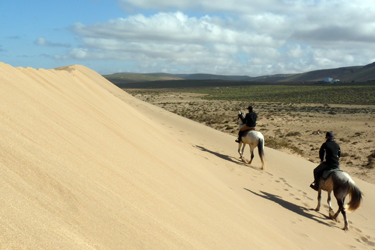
pixel 246 128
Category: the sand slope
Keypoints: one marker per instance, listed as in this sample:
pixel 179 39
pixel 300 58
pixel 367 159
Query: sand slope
pixel 83 165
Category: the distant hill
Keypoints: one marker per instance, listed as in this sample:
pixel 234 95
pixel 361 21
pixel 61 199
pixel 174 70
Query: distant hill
pixel 210 77
pixel 124 78
pixel 127 78
pixel 344 74
pixel 365 73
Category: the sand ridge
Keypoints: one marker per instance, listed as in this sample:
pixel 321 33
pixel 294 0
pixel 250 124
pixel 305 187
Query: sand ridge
pixel 84 165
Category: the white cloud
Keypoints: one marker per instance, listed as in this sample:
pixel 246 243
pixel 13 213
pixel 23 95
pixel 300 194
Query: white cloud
pixel 41 41
pixel 173 38
pixel 171 28
pixel 233 37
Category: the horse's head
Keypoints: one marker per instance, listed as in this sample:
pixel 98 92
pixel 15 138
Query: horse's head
pixel 241 117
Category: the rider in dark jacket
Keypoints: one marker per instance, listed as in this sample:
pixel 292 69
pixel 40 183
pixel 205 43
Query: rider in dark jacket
pixel 250 120
pixel 331 152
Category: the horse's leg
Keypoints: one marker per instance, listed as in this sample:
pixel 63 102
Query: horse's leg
pixel 252 154
pixel 239 149
pixel 331 213
pixel 340 203
pixel 319 198
pixel 243 151
pixel 346 226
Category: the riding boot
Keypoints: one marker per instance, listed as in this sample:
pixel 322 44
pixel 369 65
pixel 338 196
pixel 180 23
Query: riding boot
pixel 318 172
pixel 315 185
pixel 239 137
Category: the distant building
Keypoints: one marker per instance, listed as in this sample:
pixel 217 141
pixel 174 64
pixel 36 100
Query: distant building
pixel 330 80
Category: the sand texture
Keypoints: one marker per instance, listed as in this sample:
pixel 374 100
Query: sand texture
pixel 84 165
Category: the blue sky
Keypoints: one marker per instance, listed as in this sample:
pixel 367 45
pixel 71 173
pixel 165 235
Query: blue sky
pixel 237 37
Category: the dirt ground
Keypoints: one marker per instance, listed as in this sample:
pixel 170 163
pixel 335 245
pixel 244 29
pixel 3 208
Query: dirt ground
pixel 297 129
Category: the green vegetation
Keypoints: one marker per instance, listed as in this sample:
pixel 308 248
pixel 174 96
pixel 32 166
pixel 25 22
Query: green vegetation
pixel 339 93
pixel 363 94
pixel 182 84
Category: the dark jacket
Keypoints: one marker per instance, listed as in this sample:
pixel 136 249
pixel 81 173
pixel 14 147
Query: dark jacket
pixel 250 119
pixel 331 152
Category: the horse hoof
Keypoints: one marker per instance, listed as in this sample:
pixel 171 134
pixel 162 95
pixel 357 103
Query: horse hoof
pixel 331 214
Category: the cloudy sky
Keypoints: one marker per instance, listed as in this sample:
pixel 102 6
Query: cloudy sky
pixel 237 37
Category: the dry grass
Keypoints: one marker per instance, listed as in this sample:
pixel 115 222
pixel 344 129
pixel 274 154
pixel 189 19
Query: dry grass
pixel 293 128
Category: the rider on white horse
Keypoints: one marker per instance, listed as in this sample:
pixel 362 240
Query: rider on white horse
pixel 250 120
pixel 331 152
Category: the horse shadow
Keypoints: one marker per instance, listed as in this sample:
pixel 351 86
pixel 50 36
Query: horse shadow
pixel 290 206
pixel 225 157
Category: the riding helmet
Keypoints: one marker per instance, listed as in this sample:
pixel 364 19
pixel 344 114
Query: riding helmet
pixel 330 135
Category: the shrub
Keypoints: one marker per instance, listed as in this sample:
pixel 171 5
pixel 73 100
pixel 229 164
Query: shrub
pixel 293 134
pixel 371 160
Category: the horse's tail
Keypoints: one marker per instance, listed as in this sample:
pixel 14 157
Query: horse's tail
pixel 261 151
pixel 355 197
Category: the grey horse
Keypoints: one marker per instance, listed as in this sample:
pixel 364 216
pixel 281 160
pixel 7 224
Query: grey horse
pixel 341 184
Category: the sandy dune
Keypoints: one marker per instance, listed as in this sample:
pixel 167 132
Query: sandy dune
pixel 84 165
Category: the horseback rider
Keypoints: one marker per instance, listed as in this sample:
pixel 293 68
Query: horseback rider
pixel 250 120
pixel 331 152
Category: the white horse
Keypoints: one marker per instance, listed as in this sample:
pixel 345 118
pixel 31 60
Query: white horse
pixel 254 139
